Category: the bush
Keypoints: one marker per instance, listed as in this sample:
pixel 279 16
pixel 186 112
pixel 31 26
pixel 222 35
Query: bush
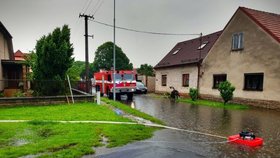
pixel 226 91
pixel 19 94
pixel 193 94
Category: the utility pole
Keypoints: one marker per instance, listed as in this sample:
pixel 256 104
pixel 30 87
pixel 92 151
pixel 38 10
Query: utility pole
pixel 86 17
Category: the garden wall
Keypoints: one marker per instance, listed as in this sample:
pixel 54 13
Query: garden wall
pixel 45 100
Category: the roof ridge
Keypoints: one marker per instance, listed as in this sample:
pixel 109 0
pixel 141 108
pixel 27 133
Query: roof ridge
pixel 266 12
pixel 197 38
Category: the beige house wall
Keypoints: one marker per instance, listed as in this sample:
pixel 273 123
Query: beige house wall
pixel 174 78
pixel 261 54
pixel 4 54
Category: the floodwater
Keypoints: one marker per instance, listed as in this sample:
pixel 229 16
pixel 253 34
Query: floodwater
pixel 216 121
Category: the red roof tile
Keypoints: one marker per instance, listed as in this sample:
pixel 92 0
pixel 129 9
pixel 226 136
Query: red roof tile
pixel 187 52
pixel 270 22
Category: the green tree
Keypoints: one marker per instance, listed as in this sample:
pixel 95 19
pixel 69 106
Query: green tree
pixel 146 70
pixel 76 70
pixel 91 71
pixel 30 60
pixel 54 57
pixel 226 91
pixel 104 58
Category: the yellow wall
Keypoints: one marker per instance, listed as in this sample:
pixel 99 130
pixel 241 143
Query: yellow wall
pixel 174 78
pixel 261 53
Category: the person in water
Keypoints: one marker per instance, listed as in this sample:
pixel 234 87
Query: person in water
pixel 247 134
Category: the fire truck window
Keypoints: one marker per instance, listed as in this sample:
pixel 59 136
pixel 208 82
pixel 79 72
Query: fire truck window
pixel 109 78
pixel 118 77
pixel 128 77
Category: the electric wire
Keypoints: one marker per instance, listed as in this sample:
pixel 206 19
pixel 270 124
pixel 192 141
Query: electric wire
pixel 147 32
pixel 88 6
pixel 99 6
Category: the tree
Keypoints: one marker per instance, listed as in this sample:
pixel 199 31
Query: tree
pixel 226 91
pixel 30 61
pixel 75 72
pixel 104 58
pixel 146 70
pixel 54 57
pixel 91 71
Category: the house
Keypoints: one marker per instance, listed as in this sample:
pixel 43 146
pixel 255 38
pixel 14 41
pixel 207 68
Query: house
pixel 180 67
pixel 12 72
pixel 247 54
pixel 20 56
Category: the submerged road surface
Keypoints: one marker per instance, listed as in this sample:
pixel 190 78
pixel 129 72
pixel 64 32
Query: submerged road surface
pixel 217 121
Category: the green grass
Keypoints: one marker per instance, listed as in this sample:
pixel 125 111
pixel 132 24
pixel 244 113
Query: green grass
pixel 78 111
pixel 206 103
pixel 64 140
pixel 131 111
pixel 214 104
pixel 50 139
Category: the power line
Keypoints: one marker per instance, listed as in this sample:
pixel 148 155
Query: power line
pixel 88 6
pixel 147 32
pixel 98 7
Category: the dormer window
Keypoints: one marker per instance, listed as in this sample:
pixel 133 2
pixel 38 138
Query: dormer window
pixel 237 41
pixel 176 51
pixel 202 45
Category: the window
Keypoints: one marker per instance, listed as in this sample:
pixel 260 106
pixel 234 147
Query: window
pixel 253 81
pixel 186 80
pixel 237 41
pixel 217 79
pixel 176 51
pixel 202 45
pixel 128 77
pixel 163 80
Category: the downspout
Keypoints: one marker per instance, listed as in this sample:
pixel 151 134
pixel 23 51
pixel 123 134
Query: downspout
pixel 199 64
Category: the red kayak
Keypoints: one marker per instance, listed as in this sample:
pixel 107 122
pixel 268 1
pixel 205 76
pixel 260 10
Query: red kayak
pixel 248 142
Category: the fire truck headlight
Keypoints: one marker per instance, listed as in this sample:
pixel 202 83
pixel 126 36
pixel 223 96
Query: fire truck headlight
pixel 132 90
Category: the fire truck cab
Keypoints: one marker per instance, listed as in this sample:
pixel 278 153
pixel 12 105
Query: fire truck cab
pixel 125 81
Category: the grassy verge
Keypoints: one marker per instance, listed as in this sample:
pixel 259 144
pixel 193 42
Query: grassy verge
pixel 78 111
pixel 215 104
pixel 206 103
pixel 49 139
pixel 131 111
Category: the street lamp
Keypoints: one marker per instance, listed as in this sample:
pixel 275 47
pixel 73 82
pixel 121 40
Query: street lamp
pixel 114 52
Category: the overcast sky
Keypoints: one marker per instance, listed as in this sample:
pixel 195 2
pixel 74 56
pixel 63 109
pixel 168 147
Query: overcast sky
pixel 28 20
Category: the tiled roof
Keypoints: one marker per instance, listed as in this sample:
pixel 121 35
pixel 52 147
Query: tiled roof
pixel 270 22
pixel 187 52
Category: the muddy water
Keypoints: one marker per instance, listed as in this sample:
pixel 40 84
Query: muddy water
pixel 218 121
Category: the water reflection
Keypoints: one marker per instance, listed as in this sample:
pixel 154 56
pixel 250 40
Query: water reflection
pixel 217 121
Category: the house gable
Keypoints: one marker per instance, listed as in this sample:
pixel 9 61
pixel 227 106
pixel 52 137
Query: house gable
pixel 6 44
pixel 259 51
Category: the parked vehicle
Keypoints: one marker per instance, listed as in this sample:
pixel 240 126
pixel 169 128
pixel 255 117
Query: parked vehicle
pixel 124 79
pixel 140 88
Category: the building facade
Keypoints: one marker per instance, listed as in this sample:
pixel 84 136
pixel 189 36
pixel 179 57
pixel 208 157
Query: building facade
pixel 180 67
pixel 247 54
pixel 6 53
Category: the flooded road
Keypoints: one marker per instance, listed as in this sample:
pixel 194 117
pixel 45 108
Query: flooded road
pixel 218 121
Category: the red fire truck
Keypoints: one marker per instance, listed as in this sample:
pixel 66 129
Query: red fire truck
pixel 125 81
